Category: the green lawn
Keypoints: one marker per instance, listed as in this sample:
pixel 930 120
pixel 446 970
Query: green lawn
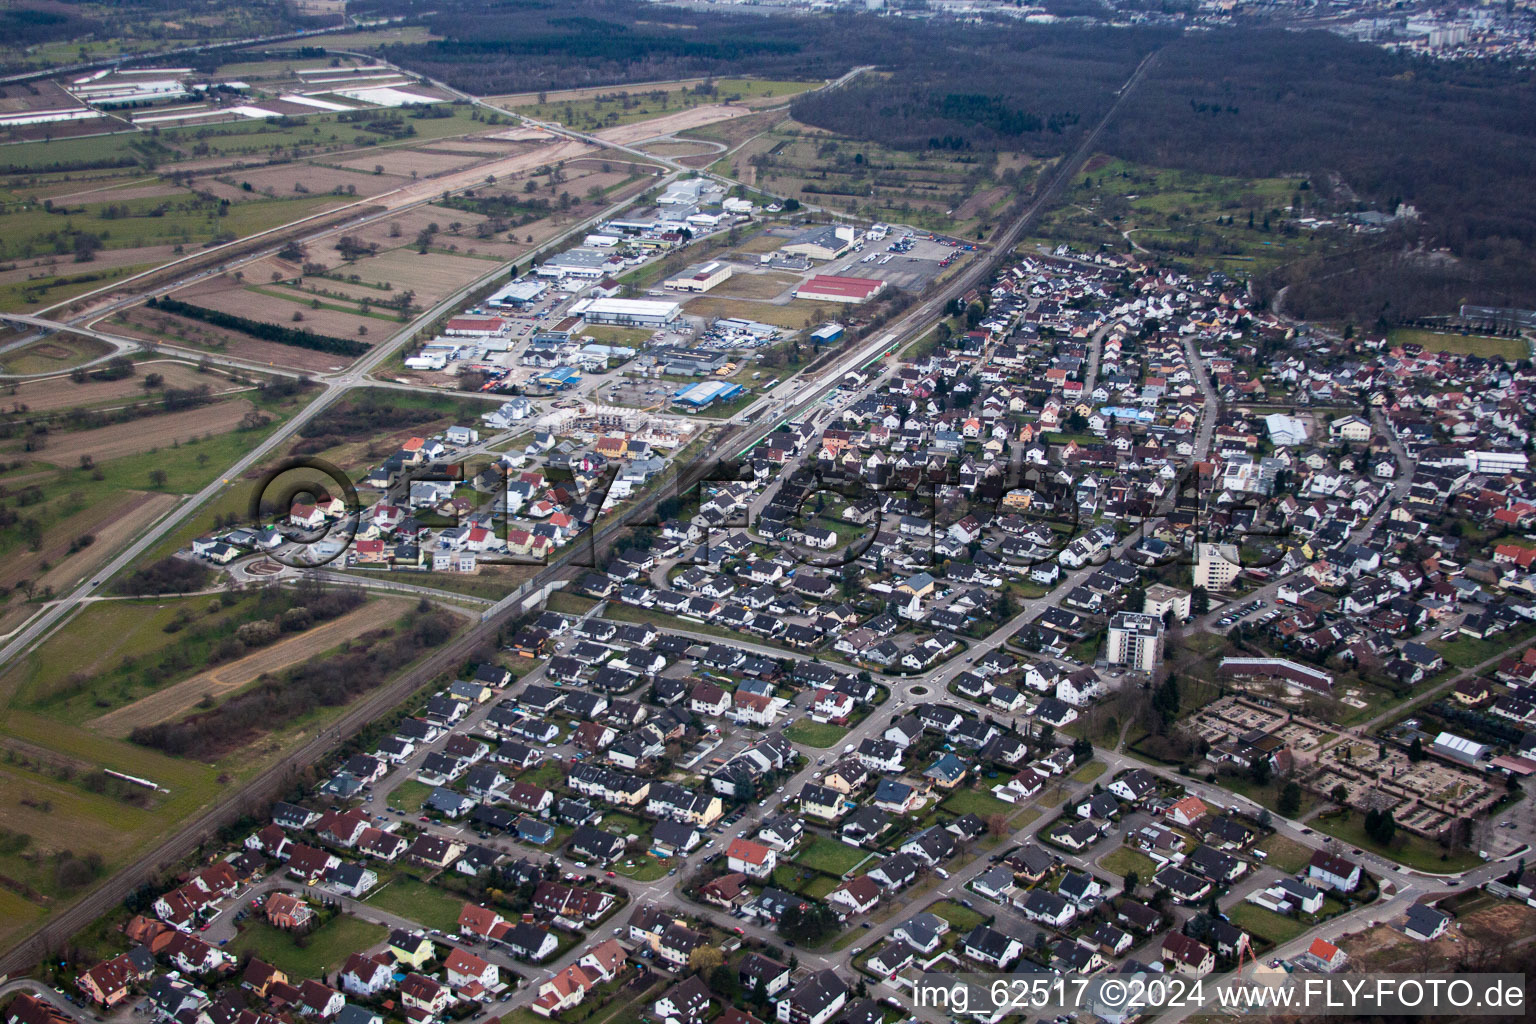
pixel 1286 854
pixel 961 919
pixel 1512 349
pixel 1405 849
pixel 1265 924
pixel 815 734
pixel 818 887
pixel 829 855
pixel 646 869
pixel 423 904
pixel 322 951
pixel 1125 860
pixel 1466 651
pixel 974 801
pixel 1089 771
pixel 410 795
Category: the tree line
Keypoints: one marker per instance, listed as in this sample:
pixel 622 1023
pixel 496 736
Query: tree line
pixel 275 700
pixel 296 337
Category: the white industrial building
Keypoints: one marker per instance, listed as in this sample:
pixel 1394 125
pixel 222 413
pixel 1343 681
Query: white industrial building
pixel 627 312
pixel 518 294
pixel 700 277
pixel 1459 748
pixel 590 264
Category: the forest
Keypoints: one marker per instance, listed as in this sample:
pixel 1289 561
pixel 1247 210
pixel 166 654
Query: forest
pixel 1018 80
pixel 1453 140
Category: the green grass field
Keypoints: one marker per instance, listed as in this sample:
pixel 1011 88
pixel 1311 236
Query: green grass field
pixel 1265 924
pixel 1512 349
pixel 629 104
pixel 829 855
pixel 131 654
pixel 974 801
pixel 1089 771
pixel 645 869
pixel 815 734
pixel 1183 215
pixel 410 795
pixel 961 919
pixel 54 354
pixel 429 907
pixel 1407 849
pixel 1466 651
pixel 1124 860
pixel 1285 854
pixel 16 916
pixel 154 221
pixel 323 951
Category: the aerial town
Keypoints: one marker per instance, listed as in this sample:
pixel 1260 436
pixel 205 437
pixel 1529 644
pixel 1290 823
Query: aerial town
pixel 581 577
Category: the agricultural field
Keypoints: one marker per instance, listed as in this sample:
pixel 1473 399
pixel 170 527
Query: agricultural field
pixel 79 214
pixel 168 430
pixel 53 394
pixel 52 355
pixel 1232 224
pixel 592 110
pixel 135 649
pixel 360 284
pixel 174 701
pixel 961 196
pixel 99 476
pixel 1511 349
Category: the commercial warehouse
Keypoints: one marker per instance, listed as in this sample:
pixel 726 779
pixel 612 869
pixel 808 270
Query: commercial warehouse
pixel 475 327
pixel 706 393
pixel 822 242
pixel 628 312
pixel 825 288
pixel 700 277
pixel 560 377
pixel 518 294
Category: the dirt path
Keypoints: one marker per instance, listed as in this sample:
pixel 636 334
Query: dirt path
pixel 139 436
pixel 217 682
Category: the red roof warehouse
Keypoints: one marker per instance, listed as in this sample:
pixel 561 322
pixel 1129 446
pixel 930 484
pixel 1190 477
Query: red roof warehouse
pixel 840 289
